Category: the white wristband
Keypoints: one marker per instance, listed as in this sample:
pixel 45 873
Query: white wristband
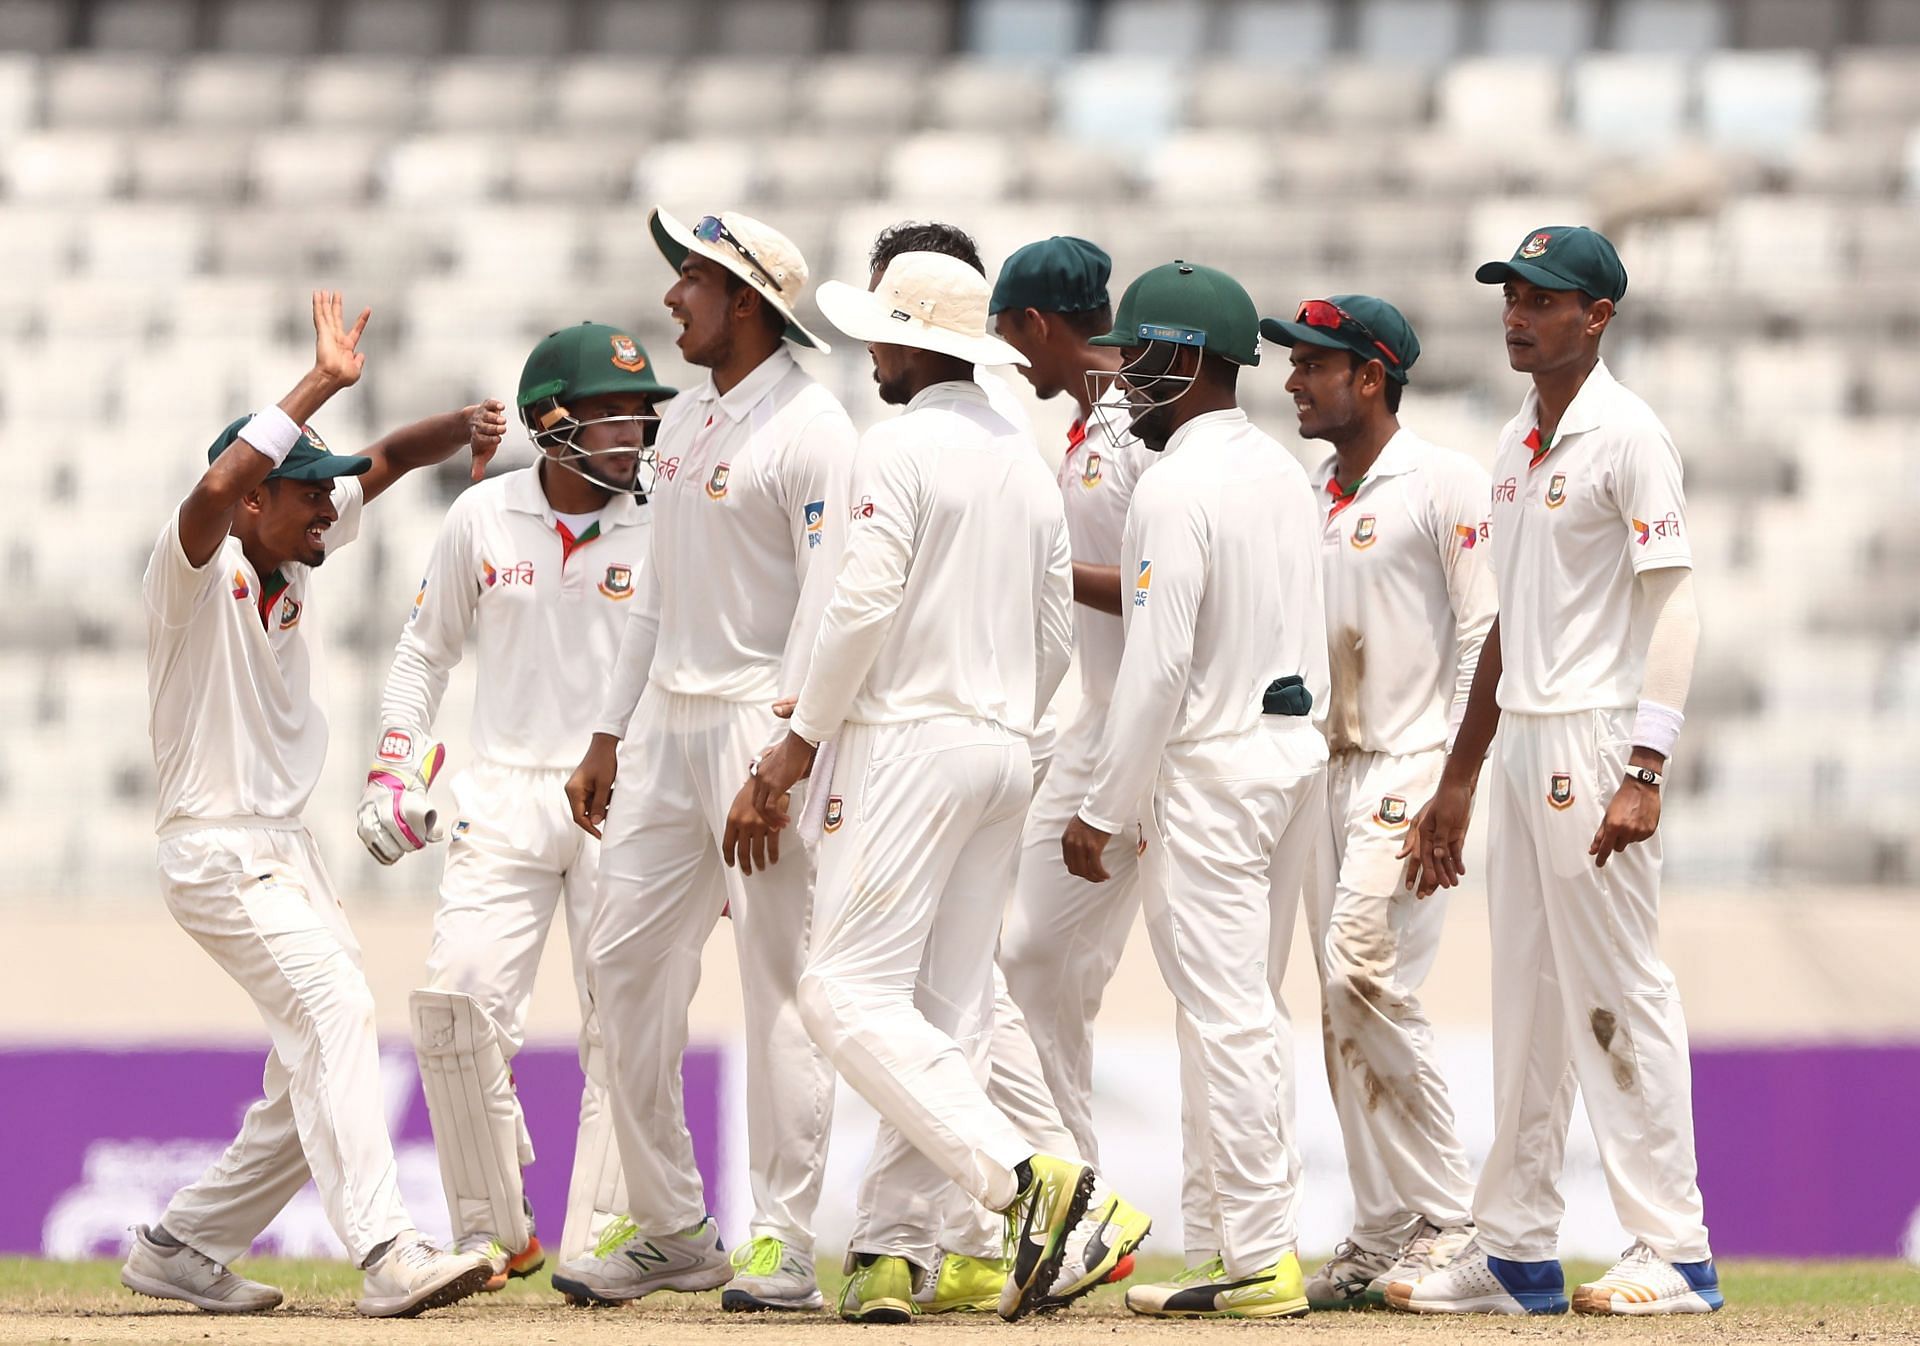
pixel 272 433
pixel 1657 727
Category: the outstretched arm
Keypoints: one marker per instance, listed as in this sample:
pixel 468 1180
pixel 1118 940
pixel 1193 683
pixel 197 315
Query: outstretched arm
pixel 435 440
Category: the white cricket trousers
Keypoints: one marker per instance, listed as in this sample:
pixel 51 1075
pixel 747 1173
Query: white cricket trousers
pixel 898 990
pixel 515 859
pixel 258 900
pixel 1064 936
pixel 1581 999
pixel 662 888
pixel 1230 839
pixel 1374 943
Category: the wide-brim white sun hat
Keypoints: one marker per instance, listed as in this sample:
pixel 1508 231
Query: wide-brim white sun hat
pixel 759 254
pixel 927 300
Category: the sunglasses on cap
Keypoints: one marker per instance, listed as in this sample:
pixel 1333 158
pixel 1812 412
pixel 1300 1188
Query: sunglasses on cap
pixel 712 230
pixel 1330 317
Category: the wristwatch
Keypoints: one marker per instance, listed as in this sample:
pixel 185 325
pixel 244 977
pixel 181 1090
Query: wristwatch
pixel 1646 776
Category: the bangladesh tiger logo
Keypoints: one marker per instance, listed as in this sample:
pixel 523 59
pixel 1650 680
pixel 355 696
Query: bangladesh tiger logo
pixel 1560 790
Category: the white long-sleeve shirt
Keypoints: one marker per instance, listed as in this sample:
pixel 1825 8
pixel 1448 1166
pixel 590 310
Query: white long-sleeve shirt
pixel 547 616
pixel 1223 551
pixel 955 595
pixel 1097 478
pixel 233 692
pixel 1410 595
pixel 748 514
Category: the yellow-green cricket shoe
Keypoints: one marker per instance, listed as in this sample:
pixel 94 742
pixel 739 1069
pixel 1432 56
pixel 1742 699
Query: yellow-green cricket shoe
pixel 879 1289
pixel 956 1283
pixel 1099 1249
pixel 1279 1291
pixel 1053 1196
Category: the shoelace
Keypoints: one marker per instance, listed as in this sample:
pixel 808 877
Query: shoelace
pixel 418 1253
pixel 1420 1247
pixel 1639 1254
pixel 1215 1270
pixel 759 1258
pixel 614 1235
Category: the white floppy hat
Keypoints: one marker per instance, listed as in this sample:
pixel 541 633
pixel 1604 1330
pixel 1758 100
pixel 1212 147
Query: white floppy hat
pixel 760 255
pixel 925 299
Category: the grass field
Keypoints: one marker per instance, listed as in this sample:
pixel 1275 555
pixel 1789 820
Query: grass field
pixel 84 1302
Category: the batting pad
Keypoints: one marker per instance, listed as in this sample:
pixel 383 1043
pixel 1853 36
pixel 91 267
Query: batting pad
pixel 597 1190
pixel 476 1120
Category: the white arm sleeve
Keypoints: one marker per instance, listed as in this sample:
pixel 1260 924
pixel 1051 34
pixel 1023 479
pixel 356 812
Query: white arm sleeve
pixel 435 635
pixel 1668 592
pixel 627 679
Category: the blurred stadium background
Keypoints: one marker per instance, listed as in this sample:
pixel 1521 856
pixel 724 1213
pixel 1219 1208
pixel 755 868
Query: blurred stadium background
pixel 176 174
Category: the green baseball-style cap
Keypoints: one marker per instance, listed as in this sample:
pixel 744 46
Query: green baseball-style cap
pixel 588 360
pixel 1061 274
pixel 1562 257
pixel 1189 305
pixel 309 460
pixel 1371 328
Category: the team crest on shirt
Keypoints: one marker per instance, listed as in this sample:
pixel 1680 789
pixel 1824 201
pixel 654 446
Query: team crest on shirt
pixel 717 483
pixel 1392 811
pixel 619 582
pixel 833 815
pixel 1090 475
pixel 241 589
pixel 626 353
pixel 1536 246
pixel 816 517
pixel 1560 790
pixel 289 613
pixel 1363 535
pixel 1557 490
pixel 396 745
pixel 1142 582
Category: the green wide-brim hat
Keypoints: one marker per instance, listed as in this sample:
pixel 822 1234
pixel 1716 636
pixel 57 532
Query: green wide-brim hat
pixel 309 459
pixel 588 359
pixel 1189 305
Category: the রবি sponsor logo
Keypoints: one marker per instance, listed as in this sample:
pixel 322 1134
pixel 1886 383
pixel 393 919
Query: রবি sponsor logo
pixel 241 589
pixel 1470 536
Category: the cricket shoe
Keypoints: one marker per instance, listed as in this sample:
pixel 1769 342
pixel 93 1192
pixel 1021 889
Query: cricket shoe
pixel 1053 1196
pixel 1099 1249
pixel 1431 1249
pixel 1209 1292
pixel 626 1264
pixel 181 1273
pixel 505 1263
pixel 1641 1282
pixel 1342 1280
pixel 413 1275
pixel 768 1275
pixel 956 1283
pixel 879 1289
pixel 1477 1283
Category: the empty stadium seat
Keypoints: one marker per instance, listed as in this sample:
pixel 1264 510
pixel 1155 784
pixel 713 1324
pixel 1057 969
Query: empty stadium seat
pixel 373 93
pixel 582 168
pixel 1224 166
pixel 485 95
pixel 781 28
pixel 900 27
pixel 1235 92
pixel 121 91
pixel 975 96
pixel 392 27
pixel 294 167
pixel 1518 97
pixel 1376 95
pixel 1556 28
pixel 1419 32
pixel 516 30
pixel 630 97
pixel 822 168
pixel 199 166
pixel 1681 27
pixel 46 167
pixel 19 92
pixel 447 169
pixel 1630 102
pixel 237 92
pixel 1135 98
pixel 265 27
pixel 1760 101
pixel 872 95
pixel 143 242
pixel 1293 32
pixel 654 29
pixel 952 166
pixel 716 172
pixel 1167 29
pixel 1023 30
pixel 160 26
pixel 743 96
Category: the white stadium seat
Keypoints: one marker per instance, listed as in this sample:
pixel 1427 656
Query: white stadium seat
pixel 65 167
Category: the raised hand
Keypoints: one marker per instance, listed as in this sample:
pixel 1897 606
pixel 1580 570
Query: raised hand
pixel 336 354
pixel 486 427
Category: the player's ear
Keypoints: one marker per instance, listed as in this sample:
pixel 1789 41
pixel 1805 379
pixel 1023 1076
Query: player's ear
pixel 1598 317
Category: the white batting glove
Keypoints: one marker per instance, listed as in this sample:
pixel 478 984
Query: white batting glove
pixel 396 816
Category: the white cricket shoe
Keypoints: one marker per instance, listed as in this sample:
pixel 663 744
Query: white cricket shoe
pixel 1477 1283
pixel 1342 1280
pixel 192 1277
pixel 1642 1282
pixel 769 1275
pixel 413 1276
pixel 1431 1249
pixel 627 1264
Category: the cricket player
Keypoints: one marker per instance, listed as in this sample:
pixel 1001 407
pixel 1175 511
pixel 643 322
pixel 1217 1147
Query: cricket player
pixel 1585 675
pixel 1210 746
pixel 539 566
pixel 949 626
pixel 747 518
pixel 238 742
pixel 1409 599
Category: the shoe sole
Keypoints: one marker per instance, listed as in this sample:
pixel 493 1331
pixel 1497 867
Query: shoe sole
pixel 1118 1268
pixel 881 1311
pixel 470 1282
pixel 582 1295
pixel 1031 1295
pixel 1597 1301
pixel 743 1301
pixel 1400 1296
pixel 499 1280
pixel 153 1289
pixel 1286 1308
pixel 1365 1299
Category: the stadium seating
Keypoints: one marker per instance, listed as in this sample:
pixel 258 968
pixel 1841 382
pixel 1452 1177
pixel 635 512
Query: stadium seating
pixel 176 174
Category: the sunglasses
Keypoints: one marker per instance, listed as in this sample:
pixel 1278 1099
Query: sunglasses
pixel 1330 317
pixel 712 230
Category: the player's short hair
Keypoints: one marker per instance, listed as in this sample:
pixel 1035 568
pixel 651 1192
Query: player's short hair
pixel 1393 387
pixel 925 236
pixel 1090 324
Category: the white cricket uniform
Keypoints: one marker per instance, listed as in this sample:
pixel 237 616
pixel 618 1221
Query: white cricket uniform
pixel 1064 936
pixel 238 742
pixel 747 514
pixel 1581 996
pixel 1409 600
pixel 949 627
pixel 547 611
pixel 1222 553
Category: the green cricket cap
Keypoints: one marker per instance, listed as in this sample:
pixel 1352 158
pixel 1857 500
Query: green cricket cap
pixel 1371 328
pixel 587 360
pixel 1061 274
pixel 309 460
pixel 1189 305
pixel 1562 257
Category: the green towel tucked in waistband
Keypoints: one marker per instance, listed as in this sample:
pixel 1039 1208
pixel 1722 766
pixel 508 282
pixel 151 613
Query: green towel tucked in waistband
pixel 1287 696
